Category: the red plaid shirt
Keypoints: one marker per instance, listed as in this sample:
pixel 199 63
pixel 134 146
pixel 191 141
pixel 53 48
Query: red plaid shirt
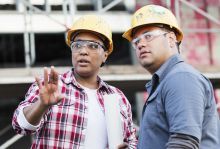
pixel 64 124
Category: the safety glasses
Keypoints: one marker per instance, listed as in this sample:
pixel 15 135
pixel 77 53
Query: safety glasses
pixel 148 37
pixel 92 46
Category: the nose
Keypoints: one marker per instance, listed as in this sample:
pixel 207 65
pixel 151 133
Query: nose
pixel 83 50
pixel 141 44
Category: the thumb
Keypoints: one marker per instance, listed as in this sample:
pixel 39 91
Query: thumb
pixel 61 96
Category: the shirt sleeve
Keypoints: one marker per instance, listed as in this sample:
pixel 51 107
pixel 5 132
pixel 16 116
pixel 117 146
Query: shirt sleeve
pixel 184 104
pixel 19 122
pixel 23 123
pixel 129 130
pixel 131 133
pixel 177 141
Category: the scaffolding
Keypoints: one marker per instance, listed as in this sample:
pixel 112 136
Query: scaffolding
pixel 69 11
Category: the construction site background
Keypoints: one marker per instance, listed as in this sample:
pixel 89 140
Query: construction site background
pixel 32 36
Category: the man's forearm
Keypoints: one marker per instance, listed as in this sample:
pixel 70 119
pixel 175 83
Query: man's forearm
pixel 182 141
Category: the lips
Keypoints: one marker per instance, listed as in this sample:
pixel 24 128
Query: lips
pixel 83 61
pixel 143 54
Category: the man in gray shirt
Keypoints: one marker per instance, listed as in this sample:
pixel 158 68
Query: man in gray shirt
pixel 180 111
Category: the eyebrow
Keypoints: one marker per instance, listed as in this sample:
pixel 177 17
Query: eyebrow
pixel 88 40
pixel 144 33
pixel 150 31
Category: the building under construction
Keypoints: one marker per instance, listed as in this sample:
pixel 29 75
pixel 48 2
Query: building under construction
pixel 33 33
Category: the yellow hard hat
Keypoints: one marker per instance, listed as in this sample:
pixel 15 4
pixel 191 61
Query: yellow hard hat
pixel 153 14
pixel 95 24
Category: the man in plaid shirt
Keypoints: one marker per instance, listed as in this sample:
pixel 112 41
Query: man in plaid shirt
pixel 67 111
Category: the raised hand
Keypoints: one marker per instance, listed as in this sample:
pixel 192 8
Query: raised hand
pixel 48 90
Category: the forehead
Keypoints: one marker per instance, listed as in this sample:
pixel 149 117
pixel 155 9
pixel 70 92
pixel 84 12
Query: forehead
pixel 137 32
pixel 88 36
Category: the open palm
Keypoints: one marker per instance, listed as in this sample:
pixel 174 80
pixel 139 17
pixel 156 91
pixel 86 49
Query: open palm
pixel 48 90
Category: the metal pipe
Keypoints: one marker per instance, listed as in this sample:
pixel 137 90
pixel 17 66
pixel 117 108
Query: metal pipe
pixel 4 130
pixel 42 12
pixel 26 41
pixel 200 11
pixel 47 6
pixel 202 30
pixel 211 61
pixel 32 47
pixel 27 50
pixel 109 6
pixel 19 6
pixel 168 3
pixel 72 7
pixel 177 11
pixel 99 5
pixel 11 141
pixel 64 8
pixel 31 40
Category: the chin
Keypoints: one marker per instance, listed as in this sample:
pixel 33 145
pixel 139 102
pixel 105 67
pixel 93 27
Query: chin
pixel 82 71
pixel 146 63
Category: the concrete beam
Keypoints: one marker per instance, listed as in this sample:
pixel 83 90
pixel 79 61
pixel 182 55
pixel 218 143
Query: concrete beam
pixel 56 22
pixel 127 75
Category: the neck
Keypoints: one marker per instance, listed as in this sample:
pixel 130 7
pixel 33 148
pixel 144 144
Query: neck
pixel 151 70
pixel 154 67
pixel 89 82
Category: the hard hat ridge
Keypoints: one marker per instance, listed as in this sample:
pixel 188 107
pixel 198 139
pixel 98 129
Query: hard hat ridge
pixel 152 15
pixel 94 24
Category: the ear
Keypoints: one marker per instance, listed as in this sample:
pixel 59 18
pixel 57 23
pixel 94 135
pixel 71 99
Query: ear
pixel 172 39
pixel 105 56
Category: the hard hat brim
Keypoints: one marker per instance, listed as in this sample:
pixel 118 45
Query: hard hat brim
pixel 71 32
pixel 129 33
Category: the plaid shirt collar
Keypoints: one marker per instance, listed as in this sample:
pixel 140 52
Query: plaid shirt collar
pixel 69 77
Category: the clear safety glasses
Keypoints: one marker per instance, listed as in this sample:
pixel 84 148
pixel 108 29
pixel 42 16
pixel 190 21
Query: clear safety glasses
pixel 92 46
pixel 148 36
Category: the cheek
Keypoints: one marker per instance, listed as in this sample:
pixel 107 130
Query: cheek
pixel 100 59
pixel 137 52
pixel 102 56
pixel 73 59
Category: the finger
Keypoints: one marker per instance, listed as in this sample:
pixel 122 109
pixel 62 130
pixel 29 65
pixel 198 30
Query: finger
pixel 38 82
pixel 61 96
pixel 51 75
pixel 58 97
pixel 54 76
pixel 60 86
pixel 45 76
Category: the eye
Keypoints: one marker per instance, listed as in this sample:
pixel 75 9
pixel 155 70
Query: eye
pixel 136 41
pixel 93 46
pixel 77 45
pixel 147 36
